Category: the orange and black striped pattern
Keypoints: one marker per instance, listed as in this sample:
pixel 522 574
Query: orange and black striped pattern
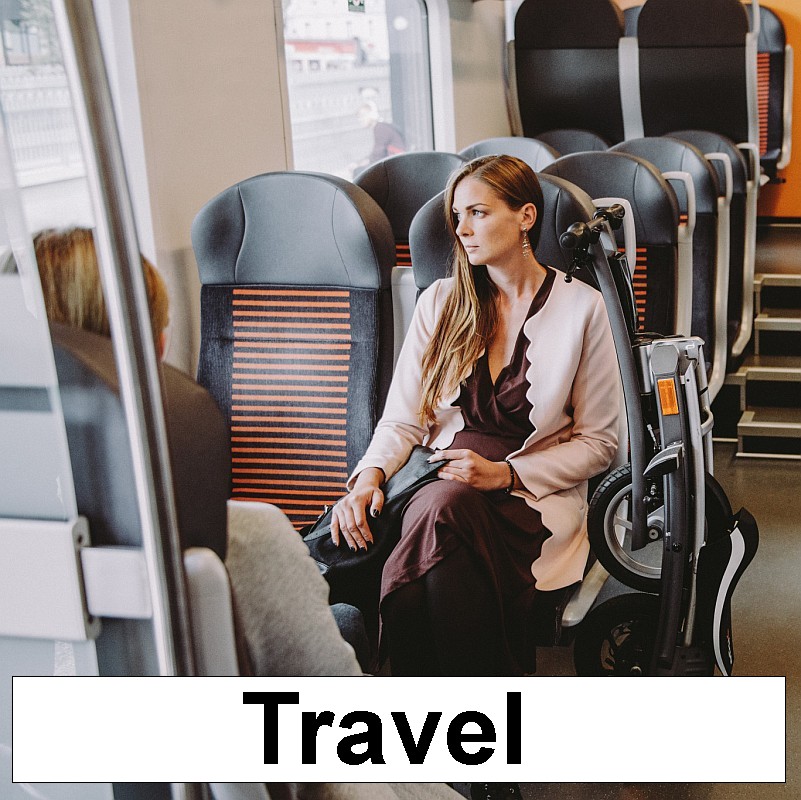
pixel 640 283
pixel 403 255
pixel 763 96
pixel 289 391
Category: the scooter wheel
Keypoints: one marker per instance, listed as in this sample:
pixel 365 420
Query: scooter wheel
pixel 609 529
pixel 617 637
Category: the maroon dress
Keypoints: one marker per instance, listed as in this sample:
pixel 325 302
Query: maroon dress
pixel 503 531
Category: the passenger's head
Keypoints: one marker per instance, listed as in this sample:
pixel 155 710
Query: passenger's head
pixel 512 180
pixel 71 286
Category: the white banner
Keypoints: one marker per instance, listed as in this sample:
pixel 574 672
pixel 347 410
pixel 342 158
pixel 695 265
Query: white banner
pixel 398 729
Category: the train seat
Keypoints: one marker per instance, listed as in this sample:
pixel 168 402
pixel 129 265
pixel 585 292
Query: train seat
pixel 678 43
pixel 564 73
pixel 775 91
pixel 742 228
pixel 678 160
pixel 659 279
pixel 573 140
pixel 535 153
pixel 296 332
pixel 401 185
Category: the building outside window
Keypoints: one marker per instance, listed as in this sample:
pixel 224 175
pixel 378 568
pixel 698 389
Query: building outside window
pixel 358 81
pixel 38 113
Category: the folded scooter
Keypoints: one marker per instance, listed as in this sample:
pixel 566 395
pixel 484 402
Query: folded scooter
pixel 669 549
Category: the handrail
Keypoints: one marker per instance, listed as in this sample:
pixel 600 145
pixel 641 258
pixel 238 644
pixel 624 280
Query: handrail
pixel 134 348
pixel 787 110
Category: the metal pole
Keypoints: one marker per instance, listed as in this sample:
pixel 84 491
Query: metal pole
pixel 134 348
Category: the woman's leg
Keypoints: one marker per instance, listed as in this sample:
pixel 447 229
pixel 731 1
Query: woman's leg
pixel 406 634
pixel 467 560
pixel 445 623
pixel 464 617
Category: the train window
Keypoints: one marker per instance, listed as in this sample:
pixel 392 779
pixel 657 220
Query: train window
pixel 358 81
pixel 38 110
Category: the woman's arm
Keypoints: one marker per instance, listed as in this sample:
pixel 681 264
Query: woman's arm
pixel 398 431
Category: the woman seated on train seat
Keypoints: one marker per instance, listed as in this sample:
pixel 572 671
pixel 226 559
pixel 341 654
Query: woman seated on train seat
pixel 280 597
pixel 510 374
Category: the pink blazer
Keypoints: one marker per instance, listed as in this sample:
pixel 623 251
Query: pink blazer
pixel 574 390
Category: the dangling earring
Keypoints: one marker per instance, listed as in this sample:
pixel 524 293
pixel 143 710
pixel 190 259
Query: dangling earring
pixel 526 244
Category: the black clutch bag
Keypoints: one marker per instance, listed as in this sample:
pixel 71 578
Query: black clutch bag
pixel 355 578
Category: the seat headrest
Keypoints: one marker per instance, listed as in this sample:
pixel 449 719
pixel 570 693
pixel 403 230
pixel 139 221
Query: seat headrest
pixel 100 451
pixel 608 174
pixel 692 23
pixel 294 228
pixel 668 154
pixel 535 153
pixel 568 24
pixel 573 140
pixel 404 183
pixel 565 203
pixel 711 142
pixel 431 243
pixel 772 37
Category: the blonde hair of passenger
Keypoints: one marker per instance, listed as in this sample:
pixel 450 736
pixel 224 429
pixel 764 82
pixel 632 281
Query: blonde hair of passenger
pixel 469 316
pixel 71 286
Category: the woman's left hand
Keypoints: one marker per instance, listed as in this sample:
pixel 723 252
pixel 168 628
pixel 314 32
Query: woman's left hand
pixel 470 467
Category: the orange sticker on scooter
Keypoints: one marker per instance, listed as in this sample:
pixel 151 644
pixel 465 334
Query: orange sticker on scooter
pixel 667 396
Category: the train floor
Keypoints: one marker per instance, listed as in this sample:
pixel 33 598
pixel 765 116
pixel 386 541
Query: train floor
pixel 766 612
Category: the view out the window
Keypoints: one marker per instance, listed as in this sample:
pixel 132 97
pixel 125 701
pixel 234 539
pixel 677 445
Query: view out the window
pixel 38 112
pixel 359 87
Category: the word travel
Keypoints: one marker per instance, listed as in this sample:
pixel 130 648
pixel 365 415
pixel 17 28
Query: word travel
pixel 464 743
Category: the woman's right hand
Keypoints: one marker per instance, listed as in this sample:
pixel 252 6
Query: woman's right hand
pixel 350 513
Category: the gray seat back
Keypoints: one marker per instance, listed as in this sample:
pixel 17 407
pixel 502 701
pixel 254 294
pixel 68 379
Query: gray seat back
pixel 710 142
pixel 773 55
pixel 674 155
pixel 297 331
pixel 402 184
pixel 104 478
pixel 566 66
pixel 535 153
pixel 680 41
pixel 572 140
pixel 656 220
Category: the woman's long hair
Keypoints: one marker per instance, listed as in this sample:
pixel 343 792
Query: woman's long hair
pixel 71 286
pixel 469 317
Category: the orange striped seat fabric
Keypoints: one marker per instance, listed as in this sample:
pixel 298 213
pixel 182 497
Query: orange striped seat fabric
pixel 285 371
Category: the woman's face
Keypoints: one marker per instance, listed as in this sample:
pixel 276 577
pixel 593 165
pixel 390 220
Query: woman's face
pixel 488 229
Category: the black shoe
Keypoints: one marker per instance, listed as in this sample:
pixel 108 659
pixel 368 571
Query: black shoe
pixel 495 791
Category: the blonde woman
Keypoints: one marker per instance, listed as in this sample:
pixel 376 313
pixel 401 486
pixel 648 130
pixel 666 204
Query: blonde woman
pixel 71 285
pixel 510 374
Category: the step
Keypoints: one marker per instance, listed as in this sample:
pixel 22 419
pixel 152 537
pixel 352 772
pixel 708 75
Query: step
pixel 767 368
pixel 778 423
pixel 763 279
pixel 778 319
